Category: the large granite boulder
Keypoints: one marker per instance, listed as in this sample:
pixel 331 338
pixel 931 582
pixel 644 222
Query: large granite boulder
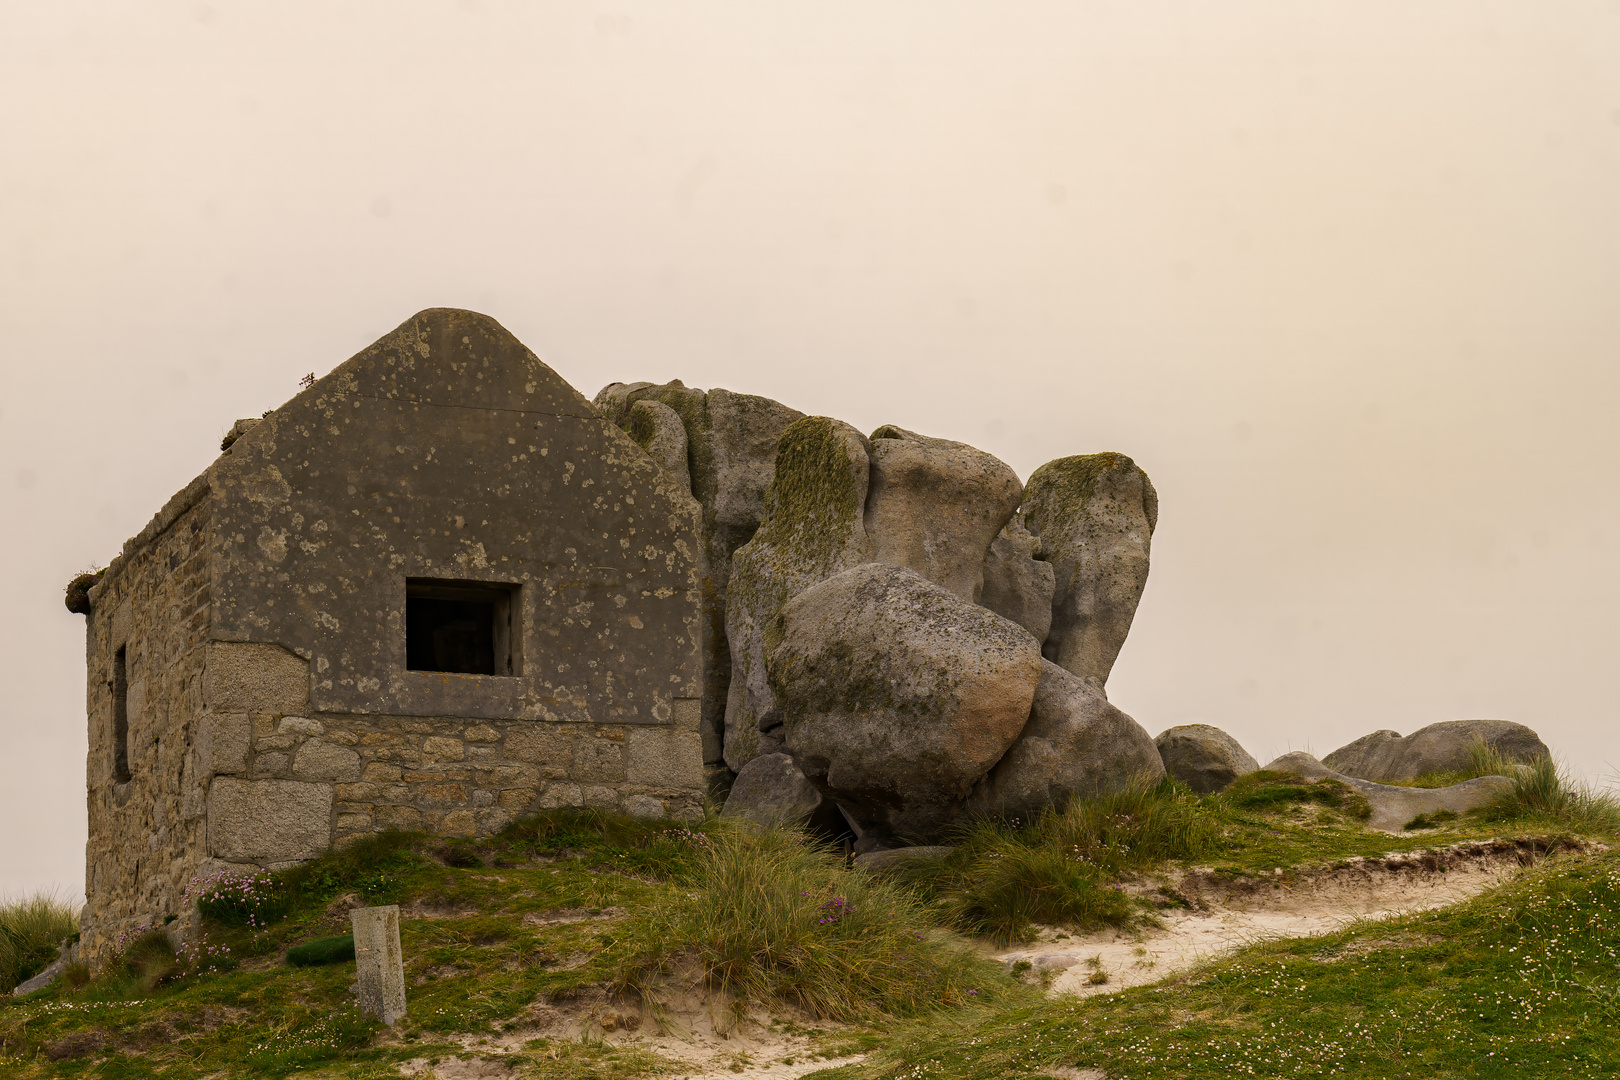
pixel 1094 514
pixel 897 695
pixel 1442 747
pixel 731 442
pixel 811 529
pixel 935 506
pixel 1075 744
pixel 1018 585
pixel 1395 807
pixel 770 790
pixel 1204 758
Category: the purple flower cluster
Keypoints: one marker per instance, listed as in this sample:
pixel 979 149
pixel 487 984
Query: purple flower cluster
pixel 249 894
pixel 833 910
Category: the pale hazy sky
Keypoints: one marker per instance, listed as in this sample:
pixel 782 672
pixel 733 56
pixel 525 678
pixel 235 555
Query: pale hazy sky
pixel 1344 278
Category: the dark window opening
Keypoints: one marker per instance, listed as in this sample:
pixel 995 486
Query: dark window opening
pixel 120 704
pixel 460 627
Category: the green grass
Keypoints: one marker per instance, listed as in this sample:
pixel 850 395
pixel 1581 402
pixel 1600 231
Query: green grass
pixel 32 930
pixel 582 911
pixel 777 918
pixel 1517 983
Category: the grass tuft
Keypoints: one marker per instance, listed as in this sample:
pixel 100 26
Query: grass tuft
pixel 1003 877
pixel 32 930
pixel 326 950
pixel 1544 793
pixel 774 916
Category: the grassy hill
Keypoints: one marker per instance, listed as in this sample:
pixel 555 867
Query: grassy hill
pixel 563 945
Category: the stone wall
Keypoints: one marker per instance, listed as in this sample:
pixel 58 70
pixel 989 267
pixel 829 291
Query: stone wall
pixel 147 833
pixel 288 783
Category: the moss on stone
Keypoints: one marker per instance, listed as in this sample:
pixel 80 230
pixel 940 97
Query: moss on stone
pixel 1061 489
pixel 814 498
pixel 77 594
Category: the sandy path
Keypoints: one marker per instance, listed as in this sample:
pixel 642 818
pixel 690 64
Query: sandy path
pixel 1227 915
pixel 1278 906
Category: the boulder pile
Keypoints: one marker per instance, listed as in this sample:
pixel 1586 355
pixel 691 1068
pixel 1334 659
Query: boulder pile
pixel 895 626
pixel 898 634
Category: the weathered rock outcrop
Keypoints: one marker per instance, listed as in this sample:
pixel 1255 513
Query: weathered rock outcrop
pixel 1394 807
pixel 657 429
pixel 1095 515
pixel 1075 744
pixel 1204 758
pixel 1017 584
pixel 1442 747
pixel 811 529
pixel 770 790
pixel 897 695
pixel 731 443
pixel 935 506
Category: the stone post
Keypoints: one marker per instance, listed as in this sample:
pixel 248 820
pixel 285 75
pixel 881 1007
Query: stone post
pixel 378 962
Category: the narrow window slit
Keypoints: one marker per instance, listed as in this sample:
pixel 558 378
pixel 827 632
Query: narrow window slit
pixel 120 703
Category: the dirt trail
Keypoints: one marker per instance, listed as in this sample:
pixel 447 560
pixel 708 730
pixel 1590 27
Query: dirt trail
pixel 1224 914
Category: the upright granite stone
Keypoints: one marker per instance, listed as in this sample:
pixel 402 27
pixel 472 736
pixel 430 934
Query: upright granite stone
pixel 1075 744
pixel 935 507
pixel 1094 514
pixel 897 695
pixel 731 447
pixel 1204 758
pixel 812 529
pixel 1442 747
pixel 1018 585
pixel 379 963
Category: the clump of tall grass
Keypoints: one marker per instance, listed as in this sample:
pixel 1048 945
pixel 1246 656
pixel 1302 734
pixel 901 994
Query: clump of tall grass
pixel 1003 877
pixel 1484 759
pixel 32 930
pixel 1544 791
pixel 775 916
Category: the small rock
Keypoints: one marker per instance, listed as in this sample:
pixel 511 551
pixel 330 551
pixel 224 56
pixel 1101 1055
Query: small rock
pixel 770 790
pixel 1204 758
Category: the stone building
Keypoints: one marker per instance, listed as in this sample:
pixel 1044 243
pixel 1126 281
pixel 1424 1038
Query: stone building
pixel 432 591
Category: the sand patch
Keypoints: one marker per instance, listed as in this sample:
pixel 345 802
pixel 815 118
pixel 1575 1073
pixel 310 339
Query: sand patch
pixel 1226 914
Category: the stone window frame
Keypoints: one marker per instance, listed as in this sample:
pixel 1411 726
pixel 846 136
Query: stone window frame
pixel 507 626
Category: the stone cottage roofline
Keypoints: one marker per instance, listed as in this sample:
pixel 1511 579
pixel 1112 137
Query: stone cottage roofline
pixel 340 382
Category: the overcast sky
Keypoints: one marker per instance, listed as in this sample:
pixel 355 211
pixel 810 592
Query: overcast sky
pixel 1344 278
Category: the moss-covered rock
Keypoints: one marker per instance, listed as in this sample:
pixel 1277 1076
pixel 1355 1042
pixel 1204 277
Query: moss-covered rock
pixel 1094 515
pixel 1075 744
pixel 811 529
pixel 935 507
pixel 897 696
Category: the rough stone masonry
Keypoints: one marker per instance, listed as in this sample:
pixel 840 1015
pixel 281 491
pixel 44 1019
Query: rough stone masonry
pixel 432 591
